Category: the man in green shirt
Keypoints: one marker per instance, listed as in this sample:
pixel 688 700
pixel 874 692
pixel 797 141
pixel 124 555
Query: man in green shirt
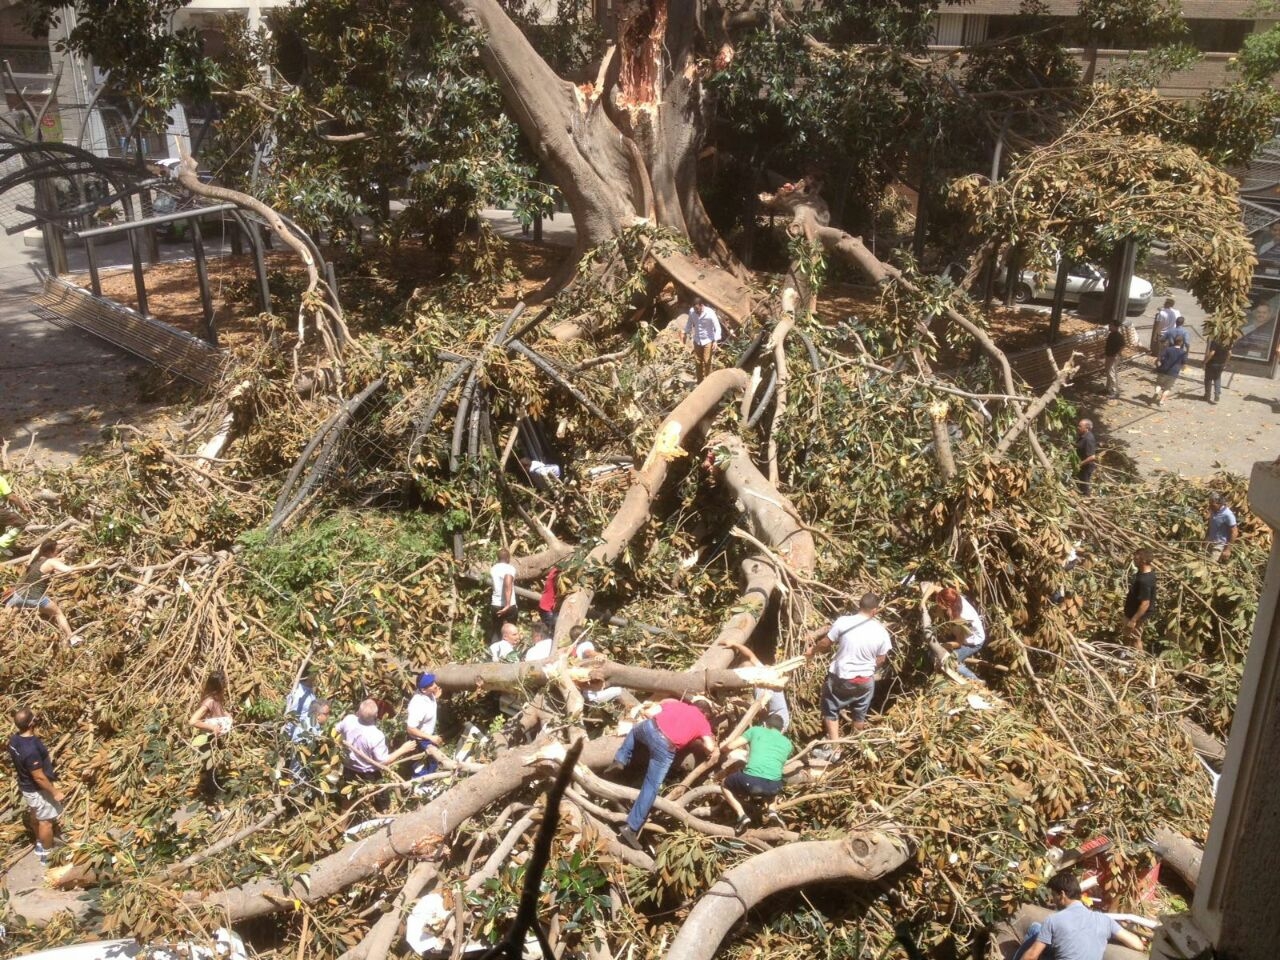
pixel 768 751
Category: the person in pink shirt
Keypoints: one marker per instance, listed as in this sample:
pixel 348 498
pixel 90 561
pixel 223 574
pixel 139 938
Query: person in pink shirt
pixel 675 726
pixel 366 751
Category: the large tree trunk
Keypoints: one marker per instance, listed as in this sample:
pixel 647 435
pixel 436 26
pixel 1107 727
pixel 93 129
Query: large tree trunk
pixel 774 522
pixel 862 857
pixel 534 675
pixel 626 146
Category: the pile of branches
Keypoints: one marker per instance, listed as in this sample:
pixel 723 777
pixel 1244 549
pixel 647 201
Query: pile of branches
pixel 347 533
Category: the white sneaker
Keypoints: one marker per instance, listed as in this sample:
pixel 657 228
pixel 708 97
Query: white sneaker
pixel 42 854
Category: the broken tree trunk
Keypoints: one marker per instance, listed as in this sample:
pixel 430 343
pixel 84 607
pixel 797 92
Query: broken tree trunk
pixel 863 857
pixel 646 484
pixel 625 147
pixel 1179 854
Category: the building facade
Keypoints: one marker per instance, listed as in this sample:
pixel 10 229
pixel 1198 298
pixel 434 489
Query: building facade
pixel 1217 28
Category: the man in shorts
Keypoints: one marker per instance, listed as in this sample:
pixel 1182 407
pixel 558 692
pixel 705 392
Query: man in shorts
pixel 37 779
pixel 1169 368
pixel 1075 932
pixel 862 644
pixel 767 753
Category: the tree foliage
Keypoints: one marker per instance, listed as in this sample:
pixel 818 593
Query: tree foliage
pixel 1102 181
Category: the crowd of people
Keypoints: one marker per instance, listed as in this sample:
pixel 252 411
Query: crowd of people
pixel 752 764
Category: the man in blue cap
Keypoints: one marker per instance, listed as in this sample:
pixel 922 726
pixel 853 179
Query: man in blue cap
pixel 420 723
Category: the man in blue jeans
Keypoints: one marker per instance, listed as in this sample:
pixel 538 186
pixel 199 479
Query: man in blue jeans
pixel 675 726
pixel 1075 932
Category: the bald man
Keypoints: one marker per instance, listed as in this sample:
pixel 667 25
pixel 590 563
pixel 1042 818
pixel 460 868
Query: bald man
pixel 367 755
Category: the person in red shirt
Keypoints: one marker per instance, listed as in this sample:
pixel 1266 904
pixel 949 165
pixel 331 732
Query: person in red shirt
pixel 548 601
pixel 675 726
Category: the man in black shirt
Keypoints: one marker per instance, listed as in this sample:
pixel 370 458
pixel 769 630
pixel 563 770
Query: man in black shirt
pixel 1087 451
pixel 1114 352
pixel 1215 362
pixel 1141 600
pixel 37 780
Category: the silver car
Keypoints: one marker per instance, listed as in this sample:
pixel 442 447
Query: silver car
pixel 1084 281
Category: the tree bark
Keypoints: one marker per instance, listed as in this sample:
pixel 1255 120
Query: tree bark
pixel 416 835
pixel 862 857
pixel 626 146
pixel 645 486
pixel 1179 854
pixel 534 675
pixel 774 522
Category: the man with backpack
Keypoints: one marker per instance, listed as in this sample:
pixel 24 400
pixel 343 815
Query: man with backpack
pixel 862 643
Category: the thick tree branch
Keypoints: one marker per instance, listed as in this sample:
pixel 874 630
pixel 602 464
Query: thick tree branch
pixel 646 484
pixel 862 857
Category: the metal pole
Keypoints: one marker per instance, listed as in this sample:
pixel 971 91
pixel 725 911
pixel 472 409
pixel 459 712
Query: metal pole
pixel 139 282
pixel 202 277
pixel 259 258
pixel 91 255
pixel 1059 298
pixel 922 205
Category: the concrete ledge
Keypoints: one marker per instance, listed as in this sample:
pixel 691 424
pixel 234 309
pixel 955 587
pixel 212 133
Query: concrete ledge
pixel 1264 492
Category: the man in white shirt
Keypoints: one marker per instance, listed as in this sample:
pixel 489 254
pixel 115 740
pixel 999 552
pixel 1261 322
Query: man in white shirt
pixel 862 644
pixel 420 723
pixel 703 326
pixel 1167 319
pixel 542 645
pixel 366 751
pixel 504 648
pixel 502 601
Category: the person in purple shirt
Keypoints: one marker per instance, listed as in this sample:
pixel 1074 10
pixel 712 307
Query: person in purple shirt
pixel 1075 932
pixel 367 756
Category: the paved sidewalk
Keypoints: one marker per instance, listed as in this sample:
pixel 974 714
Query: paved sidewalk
pixel 58 388
pixel 1186 435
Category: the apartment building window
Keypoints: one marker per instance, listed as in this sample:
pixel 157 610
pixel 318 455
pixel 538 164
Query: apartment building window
pixel 975 28
pixel 1219 36
pixel 27 54
pixel 959 29
pixel 948 30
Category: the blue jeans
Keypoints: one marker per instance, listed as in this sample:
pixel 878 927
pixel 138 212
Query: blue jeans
pixel 1033 932
pixel 661 756
pixel 962 654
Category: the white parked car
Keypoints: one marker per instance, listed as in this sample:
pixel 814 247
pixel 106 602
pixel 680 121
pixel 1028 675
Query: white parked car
pixel 1083 281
